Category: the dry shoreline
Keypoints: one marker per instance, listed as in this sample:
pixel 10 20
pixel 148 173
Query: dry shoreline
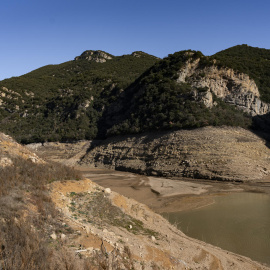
pixel 168 195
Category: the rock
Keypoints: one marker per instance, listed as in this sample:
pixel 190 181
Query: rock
pixel 87 229
pixel 107 191
pixel 218 153
pixel 53 236
pixel 5 162
pixel 233 87
pixel 63 236
pixel 153 238
pixel 130 226
pixel 90 249
pixel 95 56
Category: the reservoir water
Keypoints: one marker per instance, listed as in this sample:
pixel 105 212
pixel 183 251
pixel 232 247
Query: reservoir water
pixel 238 222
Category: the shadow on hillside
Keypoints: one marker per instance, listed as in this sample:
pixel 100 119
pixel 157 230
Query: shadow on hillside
pixel 261 127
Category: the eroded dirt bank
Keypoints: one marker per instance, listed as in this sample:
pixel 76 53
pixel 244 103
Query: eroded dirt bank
pixel 214 153
pixel 115 224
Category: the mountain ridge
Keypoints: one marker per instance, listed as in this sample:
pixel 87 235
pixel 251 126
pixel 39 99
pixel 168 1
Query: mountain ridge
pixel 107 95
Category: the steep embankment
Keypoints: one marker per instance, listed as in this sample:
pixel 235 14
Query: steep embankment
pixel 122 227
pixel 10 150
pixel 211 153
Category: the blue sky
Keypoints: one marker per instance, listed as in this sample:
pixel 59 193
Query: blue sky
pixel 35 33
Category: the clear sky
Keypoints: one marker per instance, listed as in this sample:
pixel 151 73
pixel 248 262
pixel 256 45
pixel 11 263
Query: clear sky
pixel 35 33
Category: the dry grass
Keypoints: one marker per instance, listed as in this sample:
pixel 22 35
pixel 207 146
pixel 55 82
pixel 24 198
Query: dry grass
pixel 28 217
pixel 27 174
pixel 98 209
pixel 24 241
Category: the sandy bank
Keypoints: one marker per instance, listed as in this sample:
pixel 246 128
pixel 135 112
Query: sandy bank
pixel 168 195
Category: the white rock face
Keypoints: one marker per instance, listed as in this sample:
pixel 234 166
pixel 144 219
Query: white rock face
pixel 53 236
pixel 95 56
pixel 5 162
pixel 233 87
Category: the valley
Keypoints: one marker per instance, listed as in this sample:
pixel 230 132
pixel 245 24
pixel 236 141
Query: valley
pixel 93 150
pixel 169 195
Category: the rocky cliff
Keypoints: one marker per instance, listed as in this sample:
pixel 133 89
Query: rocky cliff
pixel 223 153
pixel 94 56
pixel 233 87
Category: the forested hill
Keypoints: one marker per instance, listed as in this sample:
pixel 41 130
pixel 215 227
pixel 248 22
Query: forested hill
pixel 159 101
pixel 64 102
pixel 98 94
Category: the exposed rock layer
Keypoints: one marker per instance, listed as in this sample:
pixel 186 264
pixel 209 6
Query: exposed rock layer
pixel 212 153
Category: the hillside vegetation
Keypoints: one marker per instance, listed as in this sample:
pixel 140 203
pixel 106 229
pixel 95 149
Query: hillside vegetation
pixel 156 101
pixel 64 102
pixel 99 95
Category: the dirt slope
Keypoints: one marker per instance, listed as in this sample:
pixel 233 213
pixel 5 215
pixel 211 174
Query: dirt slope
pixel 217 153
pixel 121 224
pixel 233 154
pixel 10 149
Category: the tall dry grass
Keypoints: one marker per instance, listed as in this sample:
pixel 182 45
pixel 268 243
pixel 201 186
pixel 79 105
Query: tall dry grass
pixel 24 239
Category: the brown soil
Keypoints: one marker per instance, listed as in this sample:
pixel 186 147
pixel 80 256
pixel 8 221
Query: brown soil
pixel 169 249
pixel 139 188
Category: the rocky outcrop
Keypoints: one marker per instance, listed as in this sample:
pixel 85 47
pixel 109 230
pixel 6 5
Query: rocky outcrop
pixel 140 54
pixel 94 56
pixel 9 98
pixel 232 154
pixel 233 87
pixel 10 150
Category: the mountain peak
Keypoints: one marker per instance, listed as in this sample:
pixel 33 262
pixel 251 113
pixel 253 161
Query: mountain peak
pixel 139 54
pixel 94 56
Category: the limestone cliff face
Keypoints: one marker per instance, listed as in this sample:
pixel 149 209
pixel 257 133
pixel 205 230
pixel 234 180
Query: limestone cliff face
pixel 95 56
pixel 233 87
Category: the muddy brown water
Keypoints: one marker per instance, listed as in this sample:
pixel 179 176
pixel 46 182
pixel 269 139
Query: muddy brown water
pixel 237 222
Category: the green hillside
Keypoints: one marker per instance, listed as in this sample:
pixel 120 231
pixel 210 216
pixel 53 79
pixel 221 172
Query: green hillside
pixel 98 95
pixel 64 102
pixel 157 102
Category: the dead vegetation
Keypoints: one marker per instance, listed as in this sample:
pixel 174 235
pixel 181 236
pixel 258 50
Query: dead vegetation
pixel 24 173
pixel 98 209
pixel 28 218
